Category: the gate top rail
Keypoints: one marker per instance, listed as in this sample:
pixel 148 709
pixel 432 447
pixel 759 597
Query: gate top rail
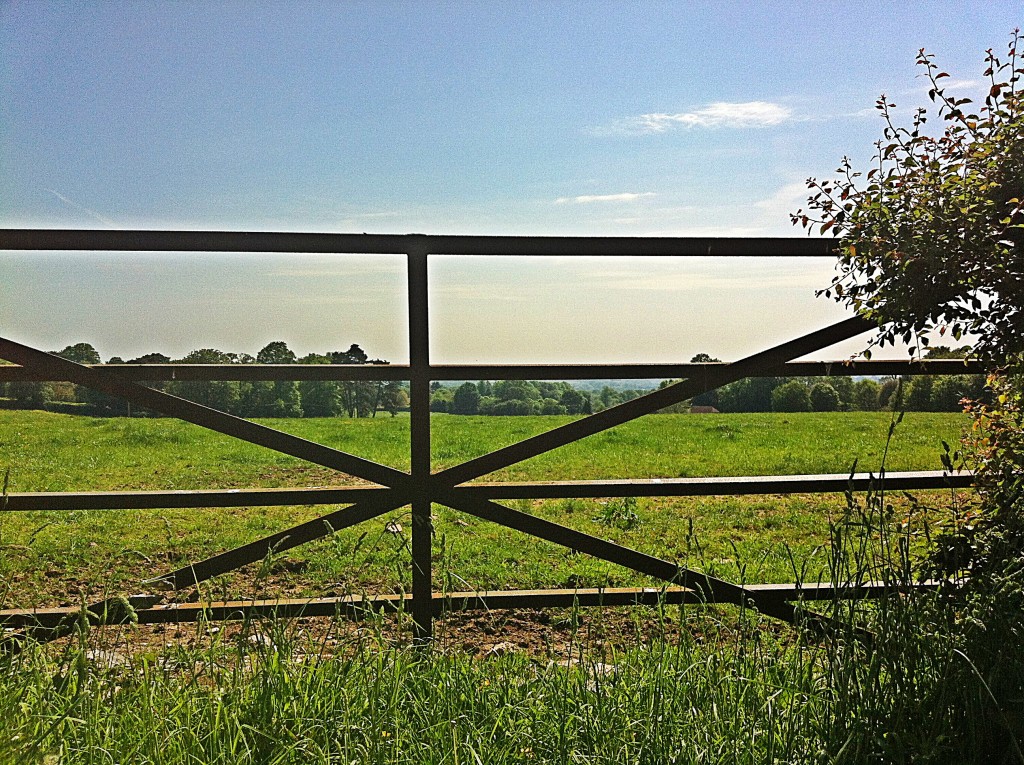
pixel 397 244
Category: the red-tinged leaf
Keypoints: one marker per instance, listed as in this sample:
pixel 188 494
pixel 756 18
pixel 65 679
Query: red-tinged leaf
pixel 826 226
pixel 940 75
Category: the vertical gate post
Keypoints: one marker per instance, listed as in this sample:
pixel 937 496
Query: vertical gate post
pixel 419 405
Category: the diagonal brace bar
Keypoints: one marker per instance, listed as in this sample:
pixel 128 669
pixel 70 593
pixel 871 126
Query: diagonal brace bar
pixel 325 525
pixel 714 589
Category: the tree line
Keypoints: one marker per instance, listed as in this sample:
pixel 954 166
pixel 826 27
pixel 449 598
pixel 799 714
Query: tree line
pixel 923 393
pixel 330 398
pixel 258 398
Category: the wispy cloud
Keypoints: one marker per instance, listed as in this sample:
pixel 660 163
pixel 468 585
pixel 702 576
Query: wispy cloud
pixel 590 198
pixel 784 201
pixel 720 114
pixel 83 208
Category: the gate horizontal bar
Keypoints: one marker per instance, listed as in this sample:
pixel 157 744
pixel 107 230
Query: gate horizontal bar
pixel 378 372
pixel 256 241
pixel 187 498
pixel 353 606
pixel 636 487
pixel 720 486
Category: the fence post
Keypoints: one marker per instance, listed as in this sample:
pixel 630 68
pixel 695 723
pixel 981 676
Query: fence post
pixel 419 438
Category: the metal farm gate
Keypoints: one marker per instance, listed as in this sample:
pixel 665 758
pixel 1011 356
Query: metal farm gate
pixel 457 487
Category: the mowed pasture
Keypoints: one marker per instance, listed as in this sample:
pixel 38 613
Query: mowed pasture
pixel 62 558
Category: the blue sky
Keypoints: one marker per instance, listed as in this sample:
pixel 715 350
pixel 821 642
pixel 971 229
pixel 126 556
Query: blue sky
pixel 700 119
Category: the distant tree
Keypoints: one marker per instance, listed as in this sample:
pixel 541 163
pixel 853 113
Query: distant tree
pixel 949 391
pixel 575 402
pixel 918 394
pixel 466 399
pixel 320 398
pixel 354 355
pixel 607 398
pixel 30 395
pixel 516 390
pixel 824 398
pixel 394 397
pixel 792 396
pixel 97 403
pixel 513 407
pixel 752 394
pixel 359 398
pixel 552 406
pixel 866 395
pixel 441 400
pixel 150 358
pixel 273 398
pixel 887 393
pixel 80 353
pixel 224 395
pixel 276 352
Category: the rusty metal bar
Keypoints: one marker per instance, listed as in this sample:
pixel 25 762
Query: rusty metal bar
pixel 419 440
pixel 110 383
pixel 652 402
pixel 355 606
pixel 253 242
pixel 638 487
pixel 186 498
pixel 167 372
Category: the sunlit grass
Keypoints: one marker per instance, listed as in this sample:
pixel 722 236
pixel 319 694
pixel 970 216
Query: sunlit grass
pixel 58 558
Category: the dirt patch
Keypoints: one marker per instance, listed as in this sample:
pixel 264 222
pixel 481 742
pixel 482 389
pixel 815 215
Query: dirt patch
pixel 553 634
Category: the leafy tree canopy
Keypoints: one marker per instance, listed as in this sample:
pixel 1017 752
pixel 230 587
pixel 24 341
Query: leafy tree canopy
pixel 81 353
pixel 276 352
pixel 931 237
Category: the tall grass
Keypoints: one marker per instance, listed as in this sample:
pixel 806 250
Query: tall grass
pixel 278 700
pixel 893 682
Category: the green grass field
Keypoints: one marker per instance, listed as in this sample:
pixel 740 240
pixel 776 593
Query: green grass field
pixel 699 684
pixel 58 558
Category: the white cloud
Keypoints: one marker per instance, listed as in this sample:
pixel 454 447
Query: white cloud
pixel 589 198
pixel 745 114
